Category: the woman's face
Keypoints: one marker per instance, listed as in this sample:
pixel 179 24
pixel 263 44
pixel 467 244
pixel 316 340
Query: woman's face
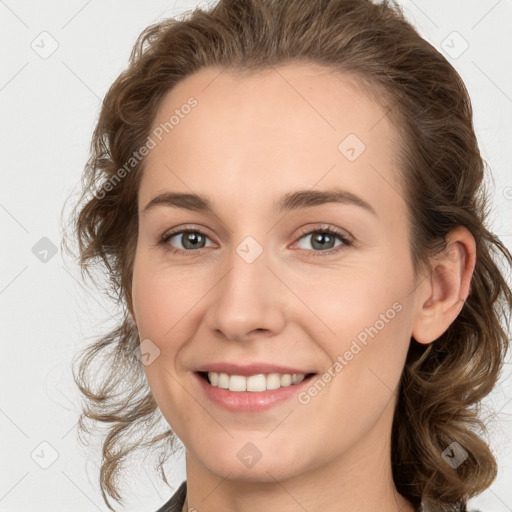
pixel 258 287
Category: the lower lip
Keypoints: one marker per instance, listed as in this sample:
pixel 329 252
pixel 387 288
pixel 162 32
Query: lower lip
pixel 250 401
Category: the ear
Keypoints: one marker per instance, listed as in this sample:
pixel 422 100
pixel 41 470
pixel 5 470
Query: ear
pixel 441 296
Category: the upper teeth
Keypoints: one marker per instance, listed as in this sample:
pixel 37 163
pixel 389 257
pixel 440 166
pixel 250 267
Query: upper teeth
pixel 259 382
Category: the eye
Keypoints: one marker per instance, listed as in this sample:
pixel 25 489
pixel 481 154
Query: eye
pixel 186 240
pixel 323 241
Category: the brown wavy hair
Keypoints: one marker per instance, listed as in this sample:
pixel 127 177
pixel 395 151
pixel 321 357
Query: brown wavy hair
pixel 442 171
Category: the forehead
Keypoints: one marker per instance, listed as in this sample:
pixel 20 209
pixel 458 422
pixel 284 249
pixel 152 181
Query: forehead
pixel 298 125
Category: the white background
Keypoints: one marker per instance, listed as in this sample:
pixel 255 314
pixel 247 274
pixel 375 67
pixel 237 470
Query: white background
pixel 48 111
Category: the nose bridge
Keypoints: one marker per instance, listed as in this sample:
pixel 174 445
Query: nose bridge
pixel 246 298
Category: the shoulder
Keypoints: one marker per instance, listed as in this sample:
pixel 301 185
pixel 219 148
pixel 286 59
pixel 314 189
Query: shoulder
pixel 175 504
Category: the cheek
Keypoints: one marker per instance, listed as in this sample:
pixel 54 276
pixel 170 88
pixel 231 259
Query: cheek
pixel 371 324
pixel 163 302
pixel 364 321
pixel 163 297
pixel 350 301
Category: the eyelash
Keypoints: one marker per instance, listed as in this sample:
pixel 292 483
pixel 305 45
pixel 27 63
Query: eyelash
pixel 346 241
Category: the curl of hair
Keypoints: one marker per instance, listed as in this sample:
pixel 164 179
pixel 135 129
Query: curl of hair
pixel 442 175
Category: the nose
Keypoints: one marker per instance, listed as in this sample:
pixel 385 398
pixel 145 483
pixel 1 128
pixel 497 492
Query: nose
pixel 247 302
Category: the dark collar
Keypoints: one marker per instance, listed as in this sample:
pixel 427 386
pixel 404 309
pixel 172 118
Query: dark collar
pixel 175 504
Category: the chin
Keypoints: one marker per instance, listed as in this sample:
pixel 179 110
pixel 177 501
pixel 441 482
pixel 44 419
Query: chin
pixel 248 464
pixel 262 472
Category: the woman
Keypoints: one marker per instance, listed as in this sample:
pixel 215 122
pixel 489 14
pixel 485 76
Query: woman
pixel 287 198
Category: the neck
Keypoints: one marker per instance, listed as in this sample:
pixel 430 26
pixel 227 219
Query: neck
pixel 360 479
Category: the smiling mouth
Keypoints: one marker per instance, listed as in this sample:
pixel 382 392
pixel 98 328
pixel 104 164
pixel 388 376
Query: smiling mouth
pixel 253 383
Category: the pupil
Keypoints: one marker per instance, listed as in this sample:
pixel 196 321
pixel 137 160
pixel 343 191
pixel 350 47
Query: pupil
pixel 323 241
pixel 191 240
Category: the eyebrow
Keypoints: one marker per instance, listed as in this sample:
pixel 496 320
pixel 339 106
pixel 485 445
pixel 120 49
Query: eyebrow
pixel 288 202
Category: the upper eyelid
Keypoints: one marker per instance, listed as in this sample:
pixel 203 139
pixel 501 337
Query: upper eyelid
pixel 342 233
pixel 185 229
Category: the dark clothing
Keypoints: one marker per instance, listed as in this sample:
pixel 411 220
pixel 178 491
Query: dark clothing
pixel 175 504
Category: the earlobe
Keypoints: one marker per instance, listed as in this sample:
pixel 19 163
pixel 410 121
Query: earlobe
pixel 441 296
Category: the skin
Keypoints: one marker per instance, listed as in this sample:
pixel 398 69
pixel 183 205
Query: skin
pixel 249 140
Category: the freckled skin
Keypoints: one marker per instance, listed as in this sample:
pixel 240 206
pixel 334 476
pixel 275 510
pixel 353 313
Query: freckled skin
pixel 248 141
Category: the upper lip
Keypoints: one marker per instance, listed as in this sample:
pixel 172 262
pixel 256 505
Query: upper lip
pixel 250 369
